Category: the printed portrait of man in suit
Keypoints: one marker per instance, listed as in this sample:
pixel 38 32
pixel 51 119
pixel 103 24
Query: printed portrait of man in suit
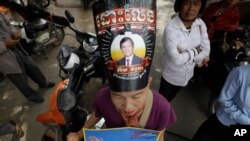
pixel 127 48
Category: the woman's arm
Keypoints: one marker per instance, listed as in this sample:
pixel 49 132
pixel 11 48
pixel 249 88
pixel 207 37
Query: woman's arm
pixel 88 124
pixel 93 119
pixel 226 99
pixel 170 44
pixel 204 44
pixel 162 135
pixel 3 47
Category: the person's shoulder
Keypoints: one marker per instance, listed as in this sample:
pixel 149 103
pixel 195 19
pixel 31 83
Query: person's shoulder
pixel 137 57
pixel 199 21
pixel 215 4
pixel 101 96
pixel 163 109
pixel 212 6
pixel 240 72
pixel 171 23
pixel 104 91
pixel 123 58
pixel 159 99
pixel 243 69
pixel 121 61
pixel 171 28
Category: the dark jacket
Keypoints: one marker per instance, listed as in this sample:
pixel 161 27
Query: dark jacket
pixel 135 60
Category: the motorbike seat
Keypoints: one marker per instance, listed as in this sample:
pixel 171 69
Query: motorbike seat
pixel 40 24
pixel 66 99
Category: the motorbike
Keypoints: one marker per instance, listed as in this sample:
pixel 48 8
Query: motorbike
pixel 77 66
pixel 233 58
pixel 40 30
pixel 88 3
pixel 39 3
pixel 39 35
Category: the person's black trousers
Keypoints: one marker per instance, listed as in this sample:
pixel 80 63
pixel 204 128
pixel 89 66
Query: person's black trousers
pixel 29 68
pixel 211 130
pixel 169 91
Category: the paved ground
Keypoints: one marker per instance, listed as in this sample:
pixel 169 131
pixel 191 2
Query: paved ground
pixel 190 104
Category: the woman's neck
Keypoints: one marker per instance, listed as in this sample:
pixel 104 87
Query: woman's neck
pixel 187 24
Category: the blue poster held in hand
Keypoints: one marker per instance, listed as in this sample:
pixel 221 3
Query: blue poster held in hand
pixel 121 134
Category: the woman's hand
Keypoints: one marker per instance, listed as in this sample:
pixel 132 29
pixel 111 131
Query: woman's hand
pixel 237 44
pixel 10 43
pixel 16 35
pixel 73 137
pixel 93 138
pixel 204 62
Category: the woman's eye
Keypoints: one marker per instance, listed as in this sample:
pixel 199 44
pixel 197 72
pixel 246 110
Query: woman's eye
pixel 136 97
pixel 118 97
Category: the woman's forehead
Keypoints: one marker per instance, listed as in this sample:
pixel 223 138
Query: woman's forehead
pixel 128 94
pixel 195 1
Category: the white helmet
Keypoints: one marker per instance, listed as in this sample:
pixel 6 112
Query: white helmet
pixel 67 58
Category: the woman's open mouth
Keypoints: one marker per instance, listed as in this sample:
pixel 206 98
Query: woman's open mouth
pixel 128 113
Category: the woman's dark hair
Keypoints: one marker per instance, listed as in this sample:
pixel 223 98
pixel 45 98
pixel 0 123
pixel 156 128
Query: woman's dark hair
pixel 178 3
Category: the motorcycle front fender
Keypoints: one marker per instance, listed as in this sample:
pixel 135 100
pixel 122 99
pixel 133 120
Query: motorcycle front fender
pixel 53 115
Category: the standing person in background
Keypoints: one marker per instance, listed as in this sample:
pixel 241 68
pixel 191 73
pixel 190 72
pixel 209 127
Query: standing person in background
pixel 11 128
pixel 186 45
pixel 234 106
pixel 222 19
pixel 16 65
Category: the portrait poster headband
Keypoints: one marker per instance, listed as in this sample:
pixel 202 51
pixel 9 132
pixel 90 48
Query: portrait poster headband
pixel 126 31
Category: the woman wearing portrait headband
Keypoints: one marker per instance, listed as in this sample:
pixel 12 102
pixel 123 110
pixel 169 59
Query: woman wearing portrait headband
pixel 142 108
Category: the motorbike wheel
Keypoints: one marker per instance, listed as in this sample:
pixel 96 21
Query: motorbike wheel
pixel 85 4
pixel 59 34
pixel 213 104
pixel 44 3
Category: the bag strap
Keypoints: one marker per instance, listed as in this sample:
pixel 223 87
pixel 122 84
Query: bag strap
pixel 147 109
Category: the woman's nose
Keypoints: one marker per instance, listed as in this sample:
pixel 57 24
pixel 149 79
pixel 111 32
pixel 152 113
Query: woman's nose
pixel 127 105
pixel 191 6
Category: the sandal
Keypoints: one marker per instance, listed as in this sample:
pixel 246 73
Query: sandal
pixel 18 130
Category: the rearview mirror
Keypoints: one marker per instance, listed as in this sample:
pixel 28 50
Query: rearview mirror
pixel 69 16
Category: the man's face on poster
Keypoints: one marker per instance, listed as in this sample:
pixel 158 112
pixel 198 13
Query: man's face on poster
pixel 127 48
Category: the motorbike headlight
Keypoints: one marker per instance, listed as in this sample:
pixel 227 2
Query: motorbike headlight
pixel 71 61
pixel 90 45
pixel 67 58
